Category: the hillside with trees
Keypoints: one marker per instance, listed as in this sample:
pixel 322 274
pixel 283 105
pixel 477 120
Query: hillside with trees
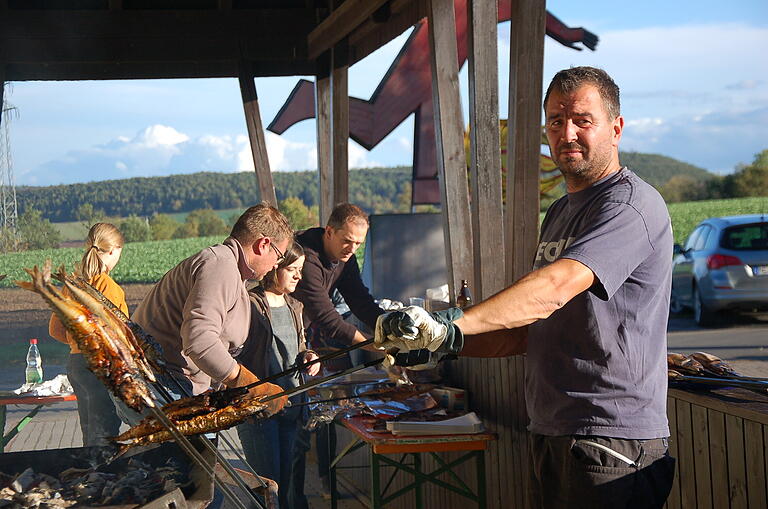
pixel 377 190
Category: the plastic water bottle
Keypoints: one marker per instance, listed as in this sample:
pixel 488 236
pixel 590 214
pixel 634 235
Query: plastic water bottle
pixel 34 363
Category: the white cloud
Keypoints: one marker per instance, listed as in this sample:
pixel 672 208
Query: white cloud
pixel 163 150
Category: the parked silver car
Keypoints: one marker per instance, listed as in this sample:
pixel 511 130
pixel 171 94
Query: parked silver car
pixel 722 266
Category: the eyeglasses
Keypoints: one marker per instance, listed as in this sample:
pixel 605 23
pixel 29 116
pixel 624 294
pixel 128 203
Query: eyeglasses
pixel 280 254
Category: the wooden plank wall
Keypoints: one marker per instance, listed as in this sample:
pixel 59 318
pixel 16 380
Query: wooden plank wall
pixel 721 451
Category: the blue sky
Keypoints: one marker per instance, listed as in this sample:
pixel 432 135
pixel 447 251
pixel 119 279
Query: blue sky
pixel 693 76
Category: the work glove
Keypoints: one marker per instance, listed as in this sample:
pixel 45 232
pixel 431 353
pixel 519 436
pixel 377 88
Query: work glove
pixel 413 328
pixel 245 377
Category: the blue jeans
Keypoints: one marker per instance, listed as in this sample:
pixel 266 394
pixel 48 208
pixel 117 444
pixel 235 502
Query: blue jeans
pixel 268 448
pixel 98 418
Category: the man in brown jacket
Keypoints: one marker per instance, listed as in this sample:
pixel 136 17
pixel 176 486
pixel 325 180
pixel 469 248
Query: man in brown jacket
pixel 200 312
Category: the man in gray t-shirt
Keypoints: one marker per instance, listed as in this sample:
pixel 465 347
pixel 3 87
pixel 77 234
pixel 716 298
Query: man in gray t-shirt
pixel 592 316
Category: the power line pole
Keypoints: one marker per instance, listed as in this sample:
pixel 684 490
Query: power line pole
pixel 10 239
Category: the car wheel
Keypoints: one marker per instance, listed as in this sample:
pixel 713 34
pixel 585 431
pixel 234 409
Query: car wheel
pixel 675 304
pixel 703 316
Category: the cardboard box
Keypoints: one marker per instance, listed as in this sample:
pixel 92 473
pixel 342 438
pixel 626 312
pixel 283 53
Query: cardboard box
pixel 450 398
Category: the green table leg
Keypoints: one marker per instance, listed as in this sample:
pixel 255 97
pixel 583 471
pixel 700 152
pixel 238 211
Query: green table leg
pixel 375 482
pixel 419 482
pixel 16 429
pixel 480 462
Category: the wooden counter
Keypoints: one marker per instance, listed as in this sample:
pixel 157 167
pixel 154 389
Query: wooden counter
pixel 720 440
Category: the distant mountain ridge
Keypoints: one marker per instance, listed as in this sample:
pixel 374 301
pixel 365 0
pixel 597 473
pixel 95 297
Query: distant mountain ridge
pixel 375 189
pixel 657 169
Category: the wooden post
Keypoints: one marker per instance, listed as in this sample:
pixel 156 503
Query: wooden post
pixel 256 134
pixel 485 167
pixel 340 123
pixel 526 60
pixel 449 134
pixel 324 150
pixel 521 218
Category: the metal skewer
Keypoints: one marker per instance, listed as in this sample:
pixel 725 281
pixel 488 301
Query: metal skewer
pixel 209 445
pixel 193 453
pixel 317 381
pixel 724 382
pixel 299 367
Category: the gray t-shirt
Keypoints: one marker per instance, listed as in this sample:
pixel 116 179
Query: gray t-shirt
pixel 285 347
pixel 597 366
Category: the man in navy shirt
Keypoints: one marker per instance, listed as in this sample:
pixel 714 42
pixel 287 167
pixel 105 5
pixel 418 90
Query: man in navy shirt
pixel 592 313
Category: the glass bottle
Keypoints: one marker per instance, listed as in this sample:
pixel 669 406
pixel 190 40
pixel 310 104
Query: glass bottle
pixel 34 373
pixel 464 300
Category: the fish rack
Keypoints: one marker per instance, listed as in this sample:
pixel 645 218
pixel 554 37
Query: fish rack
pixel 196 456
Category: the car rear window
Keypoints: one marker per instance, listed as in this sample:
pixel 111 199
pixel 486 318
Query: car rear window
pixel 746 237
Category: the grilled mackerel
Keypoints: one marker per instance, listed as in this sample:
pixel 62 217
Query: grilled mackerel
pixel 106 354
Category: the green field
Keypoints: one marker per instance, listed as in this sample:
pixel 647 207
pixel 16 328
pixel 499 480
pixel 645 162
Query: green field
pixel 146 262
pixel 141 262
pixel 685 216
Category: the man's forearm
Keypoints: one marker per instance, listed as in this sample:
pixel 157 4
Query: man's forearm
pixel 534 297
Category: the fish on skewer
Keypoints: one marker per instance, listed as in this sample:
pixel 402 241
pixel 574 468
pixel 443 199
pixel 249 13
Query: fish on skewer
pixel 684 365
pixel 714 365
pixel 151 431
pixel 149 349
pixel 126 342
pixel 182 409
pixel 95 339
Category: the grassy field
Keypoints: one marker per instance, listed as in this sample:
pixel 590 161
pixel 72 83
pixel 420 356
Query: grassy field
pixel 685 216
pixel 141 262
pixel 146 262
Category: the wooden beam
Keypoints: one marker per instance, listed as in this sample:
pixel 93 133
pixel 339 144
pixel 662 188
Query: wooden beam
pixel 152 70
pixel 340 124
pixel 107 24
pixel 526 60
pixel 339 24
pixel 256 135
pixel 449 134
pixel 485 164
pixel 521 218
pixel 371 35
pixel 162 49
pixel 115 5
pixel 324 150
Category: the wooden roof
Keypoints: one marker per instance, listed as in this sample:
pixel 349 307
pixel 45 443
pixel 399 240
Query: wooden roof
pixel 129 39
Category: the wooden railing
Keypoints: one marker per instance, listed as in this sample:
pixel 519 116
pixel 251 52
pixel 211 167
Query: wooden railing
pixel 720 440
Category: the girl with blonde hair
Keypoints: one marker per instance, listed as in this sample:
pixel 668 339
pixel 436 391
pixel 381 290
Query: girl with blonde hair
pixel 98 418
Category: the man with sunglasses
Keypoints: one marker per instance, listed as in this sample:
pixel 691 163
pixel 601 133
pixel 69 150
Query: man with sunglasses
pixel 199 312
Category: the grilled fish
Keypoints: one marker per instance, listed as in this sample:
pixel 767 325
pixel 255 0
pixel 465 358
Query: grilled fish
pixel 143 344
pixel 684 365
pixel 714 365
pixel 95 339
pixel 152 432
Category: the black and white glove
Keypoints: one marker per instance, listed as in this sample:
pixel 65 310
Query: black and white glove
pixel 414 328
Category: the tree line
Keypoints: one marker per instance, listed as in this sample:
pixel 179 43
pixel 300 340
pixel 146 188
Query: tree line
pixel 377 190
pixel 747 180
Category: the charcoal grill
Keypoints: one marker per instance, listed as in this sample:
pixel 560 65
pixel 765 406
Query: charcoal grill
pixel 54 461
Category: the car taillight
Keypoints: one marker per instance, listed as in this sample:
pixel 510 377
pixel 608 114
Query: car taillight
pixel 717 261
